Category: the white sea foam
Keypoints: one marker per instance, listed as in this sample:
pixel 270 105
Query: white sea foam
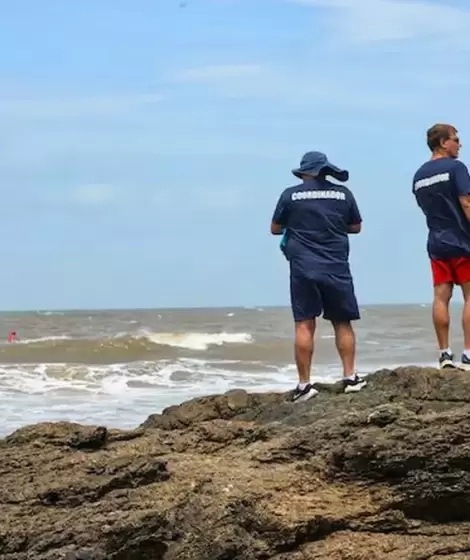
pixel 49 313
pixel 42 339
pixel 198 341
pixel 188 340
pixel 181 374
pixel 123 395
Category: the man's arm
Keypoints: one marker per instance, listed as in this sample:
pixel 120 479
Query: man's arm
pixel 279 219
pixel 465 204
pixel 355 228
pixel 462 184
pixel 355 218
pixel 276 229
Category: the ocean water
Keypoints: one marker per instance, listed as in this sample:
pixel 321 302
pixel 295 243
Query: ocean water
pixel 117 367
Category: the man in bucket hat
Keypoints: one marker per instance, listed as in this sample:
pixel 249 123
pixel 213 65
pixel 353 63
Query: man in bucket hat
pixel 316 217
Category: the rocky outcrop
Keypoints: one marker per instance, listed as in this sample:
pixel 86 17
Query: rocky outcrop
pixel 382 474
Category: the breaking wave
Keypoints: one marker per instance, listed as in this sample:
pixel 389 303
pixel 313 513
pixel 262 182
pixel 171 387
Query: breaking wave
pixel 198 341
pixel 121 347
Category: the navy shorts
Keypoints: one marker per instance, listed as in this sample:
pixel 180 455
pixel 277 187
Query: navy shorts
pixel 332 294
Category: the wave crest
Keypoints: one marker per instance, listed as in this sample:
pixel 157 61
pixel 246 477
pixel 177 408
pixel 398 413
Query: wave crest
pixel 198 341
pixel 120 348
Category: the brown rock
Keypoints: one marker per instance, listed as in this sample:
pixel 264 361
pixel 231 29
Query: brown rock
pixel 382 474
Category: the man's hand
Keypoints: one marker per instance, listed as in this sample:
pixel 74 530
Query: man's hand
pixel 465 204
pixel 354 228
pixel 276 229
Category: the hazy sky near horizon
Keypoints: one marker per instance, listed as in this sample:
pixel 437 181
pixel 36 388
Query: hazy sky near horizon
pixel 145 144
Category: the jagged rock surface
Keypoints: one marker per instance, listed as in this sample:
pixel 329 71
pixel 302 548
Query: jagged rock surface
pixel 379 475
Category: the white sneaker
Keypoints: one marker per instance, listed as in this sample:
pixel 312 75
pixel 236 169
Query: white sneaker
pixel 304 394
pixel 354 384
pixel 465 362
pixel 446 360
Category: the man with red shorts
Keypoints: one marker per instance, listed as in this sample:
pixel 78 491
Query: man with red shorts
pixel 442 190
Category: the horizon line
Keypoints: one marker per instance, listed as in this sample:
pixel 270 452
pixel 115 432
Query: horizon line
pixel 201 307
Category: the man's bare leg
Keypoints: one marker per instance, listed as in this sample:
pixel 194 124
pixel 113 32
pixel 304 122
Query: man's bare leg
pixel 304 345
pixel 346 345
pixel 466 325
pixel 441 321
pixel 466 315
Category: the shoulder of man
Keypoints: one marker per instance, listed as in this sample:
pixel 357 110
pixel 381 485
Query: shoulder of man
pixel 433 168
pixel 341 188
pixel 442 166
pixel 458 164
pixel 424 169
pixel 418 172
pixel 287 192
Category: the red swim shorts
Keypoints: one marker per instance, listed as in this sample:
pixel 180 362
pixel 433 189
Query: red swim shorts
pixel 454 271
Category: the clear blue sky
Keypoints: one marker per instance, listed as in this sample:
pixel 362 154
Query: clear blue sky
pixel 145 144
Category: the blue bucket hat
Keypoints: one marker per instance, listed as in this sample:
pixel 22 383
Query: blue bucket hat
pixel 313 163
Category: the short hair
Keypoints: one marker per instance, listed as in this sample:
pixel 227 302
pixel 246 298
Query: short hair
pixel 437 133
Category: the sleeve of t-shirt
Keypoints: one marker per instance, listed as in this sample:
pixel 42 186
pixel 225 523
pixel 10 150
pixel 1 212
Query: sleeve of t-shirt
pixel 461 179
pixel 281 211
pixel 354 213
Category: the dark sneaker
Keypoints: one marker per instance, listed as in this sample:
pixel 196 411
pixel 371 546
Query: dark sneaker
pixel 465 362
pixel 446 360
pixel 304 394
pixel 354 384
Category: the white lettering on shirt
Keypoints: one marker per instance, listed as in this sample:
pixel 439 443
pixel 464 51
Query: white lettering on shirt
pixel 434 180
pixel 311 195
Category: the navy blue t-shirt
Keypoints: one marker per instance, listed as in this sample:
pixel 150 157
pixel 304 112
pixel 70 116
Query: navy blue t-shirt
pixel 316 215
pixel 437 186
